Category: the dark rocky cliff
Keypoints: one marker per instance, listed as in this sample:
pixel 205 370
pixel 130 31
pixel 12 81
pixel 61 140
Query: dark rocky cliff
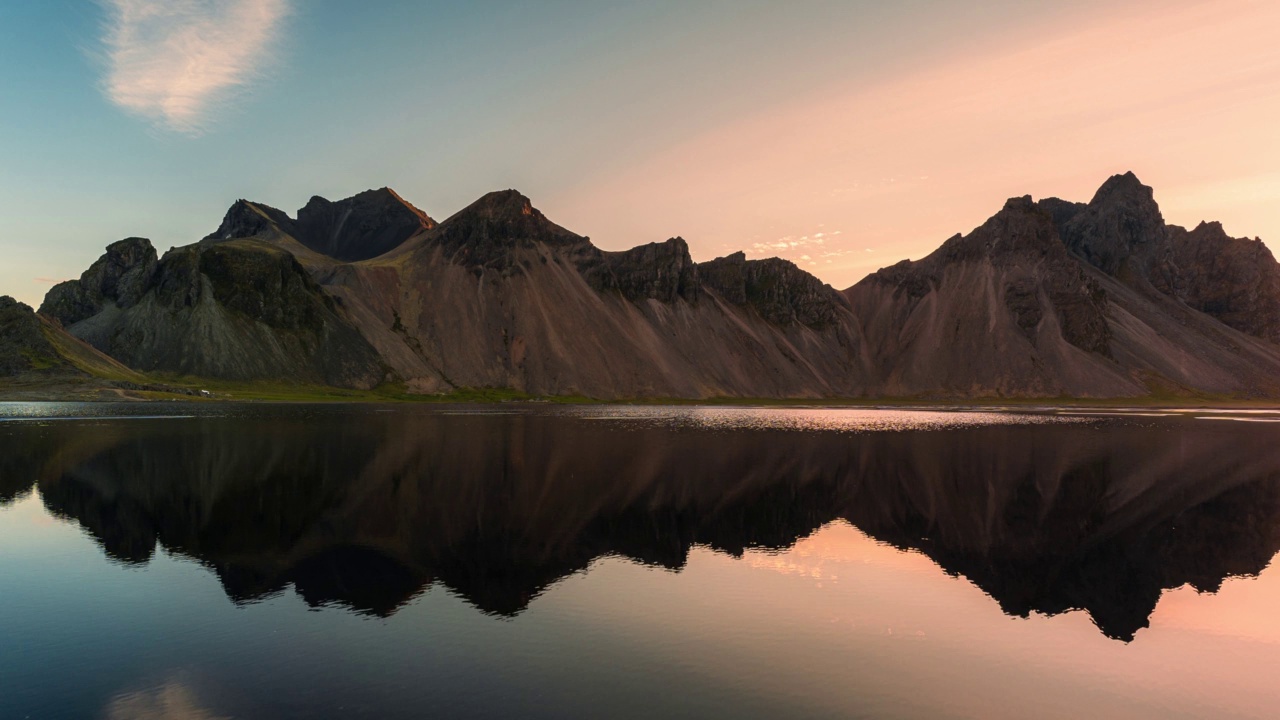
pixel 364 226
pixel 23 345
pixel 120 278
pixel 781 292
pixel 1235 280
pixel 488 232
pixel 658 271
pixel 1060 298
pixel 360 227
pixel 237 310
pixel 1122 233
pixel 1004 310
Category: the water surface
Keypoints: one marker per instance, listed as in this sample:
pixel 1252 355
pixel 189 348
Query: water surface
pixel 260 561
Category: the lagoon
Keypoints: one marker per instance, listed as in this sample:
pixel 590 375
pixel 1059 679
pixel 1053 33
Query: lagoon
pixel 482 561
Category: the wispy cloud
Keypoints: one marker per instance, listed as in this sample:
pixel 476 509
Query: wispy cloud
pixel 177 62
pixel 791 244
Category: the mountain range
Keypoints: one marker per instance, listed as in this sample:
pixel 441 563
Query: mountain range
pixel 1047 299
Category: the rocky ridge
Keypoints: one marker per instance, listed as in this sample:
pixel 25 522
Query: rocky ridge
pixel 1046 299
pixel 24 348
pixel 238 310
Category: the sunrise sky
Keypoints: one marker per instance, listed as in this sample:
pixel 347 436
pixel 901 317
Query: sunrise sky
pixel 842 135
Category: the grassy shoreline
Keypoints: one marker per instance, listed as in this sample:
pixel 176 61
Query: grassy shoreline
pixel 185 389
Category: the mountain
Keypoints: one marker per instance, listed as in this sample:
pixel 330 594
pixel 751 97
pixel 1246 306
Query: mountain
pixel 1002 311
pixel 24 346
pixel 358 228
pixel 1122 233
pixel 1084 300
pixel 1048 298
pixel 240 310
pixel 36 353
pixel 499 296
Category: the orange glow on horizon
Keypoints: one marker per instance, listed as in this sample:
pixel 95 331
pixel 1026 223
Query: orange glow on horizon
pixel 1184 94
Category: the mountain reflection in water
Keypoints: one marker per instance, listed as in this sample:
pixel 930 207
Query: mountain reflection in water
pixel 366 509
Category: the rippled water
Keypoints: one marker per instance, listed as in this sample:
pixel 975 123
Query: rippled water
pixel 259 561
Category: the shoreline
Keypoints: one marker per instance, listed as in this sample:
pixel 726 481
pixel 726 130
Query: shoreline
pixel 89 392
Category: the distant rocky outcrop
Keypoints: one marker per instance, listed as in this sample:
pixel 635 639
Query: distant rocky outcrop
pixel 1121 231
pixel 777 289
pixel 364 226
pixel 248 219
pixel 24 347
pixel 657 271
pixel 360 227
pixel 488 232
pixel 1235 280
pixel 118 279
pixel 38 356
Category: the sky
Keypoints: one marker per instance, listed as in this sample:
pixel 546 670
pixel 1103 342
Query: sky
pixel 843 135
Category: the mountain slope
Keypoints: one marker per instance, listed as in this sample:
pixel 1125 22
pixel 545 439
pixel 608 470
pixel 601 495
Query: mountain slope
pixel 239 310
pixel 1122 233
pixel 1003 311
pixel 360 227
pixel 36 352
pixel 499 296
pixel 1087 300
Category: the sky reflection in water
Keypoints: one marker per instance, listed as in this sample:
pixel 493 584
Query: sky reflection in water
pixel 301 561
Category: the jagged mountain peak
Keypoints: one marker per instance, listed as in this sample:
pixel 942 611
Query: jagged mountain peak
pixel 1062 211
pixel 128 250
pixel 509 207
pixel 249 219
pixel 1123 185
pixel 1235 280
pixel 1210 227
pixel 1021 203
pixel 508 202
pixel 1020 228
pixel 484 233
pixel 120 278
pixel 384 196
pixel 779 290
pixel 1120 230
pixel 363 226
pixel 660 271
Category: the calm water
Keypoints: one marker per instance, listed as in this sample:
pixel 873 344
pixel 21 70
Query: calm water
pixel 180 561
